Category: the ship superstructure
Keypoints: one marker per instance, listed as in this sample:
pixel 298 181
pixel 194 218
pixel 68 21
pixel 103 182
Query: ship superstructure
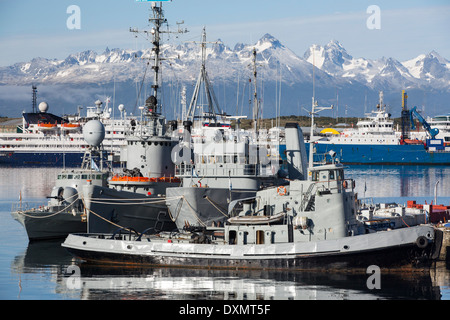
pixel 46 139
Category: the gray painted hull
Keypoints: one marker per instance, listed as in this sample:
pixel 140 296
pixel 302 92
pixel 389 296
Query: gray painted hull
pixel 58 226
pixel 202 206
pixel 388 249
pixel 110 209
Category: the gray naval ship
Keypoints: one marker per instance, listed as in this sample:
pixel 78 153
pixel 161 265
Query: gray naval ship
pixel 226 163
pixel 138 198
pixel 135 197
pixel 64 213
pixel 229 164
pixel 308 223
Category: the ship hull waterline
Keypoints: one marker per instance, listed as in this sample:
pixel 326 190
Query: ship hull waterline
pixel 357 154
pixel 396 249
pixel 38 227
pixel 53 159
pixel 110 209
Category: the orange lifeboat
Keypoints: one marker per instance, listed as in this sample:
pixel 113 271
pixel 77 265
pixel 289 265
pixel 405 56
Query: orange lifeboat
pixel 70 126
pixel 129 179
pixel 409 141
pixel 47 126
pixel 117 178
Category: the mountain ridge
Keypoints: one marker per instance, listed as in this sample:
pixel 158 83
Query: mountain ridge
pixel 334 69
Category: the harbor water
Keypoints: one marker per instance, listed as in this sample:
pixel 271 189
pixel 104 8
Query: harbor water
pixel 45 271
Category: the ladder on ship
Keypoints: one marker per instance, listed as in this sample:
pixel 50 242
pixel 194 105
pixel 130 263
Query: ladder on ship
pixel 309 199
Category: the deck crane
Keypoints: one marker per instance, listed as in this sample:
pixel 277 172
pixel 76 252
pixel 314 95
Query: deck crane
pixel 433 132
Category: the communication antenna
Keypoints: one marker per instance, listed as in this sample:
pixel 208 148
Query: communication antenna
pixel 315 109
pixel 183 103
pixel 158 20
pixel 257 112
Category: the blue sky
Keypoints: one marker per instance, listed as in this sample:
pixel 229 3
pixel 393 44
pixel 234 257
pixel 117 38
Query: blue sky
pixel 31 29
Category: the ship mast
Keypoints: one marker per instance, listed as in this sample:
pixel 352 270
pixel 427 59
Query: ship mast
pixel 153 106
pixel 210 96
pixel 157 20
pixel 255 94
pixel 34 99
pixel 314 110
pixel 314 106
pixel 380 103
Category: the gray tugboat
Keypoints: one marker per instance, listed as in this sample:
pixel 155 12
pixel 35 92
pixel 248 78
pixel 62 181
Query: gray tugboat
pixel 64 212
pixel 304 224
pixel 135 197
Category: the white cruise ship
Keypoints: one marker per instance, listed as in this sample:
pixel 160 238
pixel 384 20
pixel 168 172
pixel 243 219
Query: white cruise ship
pixel 45 139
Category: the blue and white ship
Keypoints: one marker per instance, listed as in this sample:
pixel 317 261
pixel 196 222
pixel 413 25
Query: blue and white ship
pixel 44 139
pixel 375 141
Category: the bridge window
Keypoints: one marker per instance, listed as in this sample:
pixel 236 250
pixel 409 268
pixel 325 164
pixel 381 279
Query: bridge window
pixel 331 175
pixel 315 176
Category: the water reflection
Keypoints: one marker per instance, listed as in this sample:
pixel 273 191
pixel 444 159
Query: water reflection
pixel 107 282
pixel 381 181
pixel 400 181
pixel 249 285
pixel 41 267
pixel 31 182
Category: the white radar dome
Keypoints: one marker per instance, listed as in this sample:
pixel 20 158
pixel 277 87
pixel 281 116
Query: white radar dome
pixel 94 133
pixel 43 107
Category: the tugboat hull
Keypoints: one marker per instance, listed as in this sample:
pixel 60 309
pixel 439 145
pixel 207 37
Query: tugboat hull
pixel 414 247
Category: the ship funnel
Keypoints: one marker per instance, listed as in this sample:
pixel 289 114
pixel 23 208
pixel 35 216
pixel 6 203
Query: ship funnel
pixel 296 152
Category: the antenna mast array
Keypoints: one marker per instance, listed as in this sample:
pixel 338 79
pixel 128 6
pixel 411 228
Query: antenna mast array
pixel 157 19
pixel 257 113
pixel 210 96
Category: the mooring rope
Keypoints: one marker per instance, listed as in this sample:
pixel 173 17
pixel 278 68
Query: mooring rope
pixel 50 215
pixel 125 201
pixel 217 208
pixel 193 211
pixel 99 216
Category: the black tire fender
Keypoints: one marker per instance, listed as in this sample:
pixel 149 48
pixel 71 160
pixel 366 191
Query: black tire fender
pixel 422 242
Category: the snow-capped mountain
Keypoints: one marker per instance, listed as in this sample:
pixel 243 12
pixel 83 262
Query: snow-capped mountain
pixel 430 68
pixel 335 69
pixel 83 67
pixel 331 58
pixel 425 70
